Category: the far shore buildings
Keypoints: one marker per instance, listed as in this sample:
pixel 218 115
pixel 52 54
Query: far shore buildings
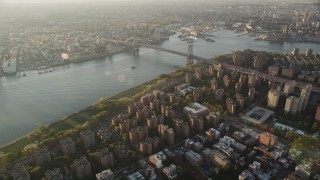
pixel 67 146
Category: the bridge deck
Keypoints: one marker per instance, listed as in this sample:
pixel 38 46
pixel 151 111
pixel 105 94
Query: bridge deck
pixel 213 62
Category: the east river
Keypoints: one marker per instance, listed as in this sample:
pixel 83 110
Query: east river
pixel 35 100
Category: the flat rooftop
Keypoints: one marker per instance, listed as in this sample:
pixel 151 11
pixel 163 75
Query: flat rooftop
pixel 257 115
pixel 195 108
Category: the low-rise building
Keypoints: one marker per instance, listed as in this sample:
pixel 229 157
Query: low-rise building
pixel 194 158
pixel 268 139
pixel 170 172
pixel 196 109
pixel 304 169
pixel 135 176
pixel 158 159
pixel 105 175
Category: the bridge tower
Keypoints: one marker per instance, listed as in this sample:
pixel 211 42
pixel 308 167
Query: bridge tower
pixel 135 46
pixel 190 54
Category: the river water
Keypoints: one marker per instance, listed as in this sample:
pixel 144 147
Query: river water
pixel 35 100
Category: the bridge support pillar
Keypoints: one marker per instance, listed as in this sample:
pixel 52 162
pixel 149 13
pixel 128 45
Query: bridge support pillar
pixel 190 55
pixel 189 61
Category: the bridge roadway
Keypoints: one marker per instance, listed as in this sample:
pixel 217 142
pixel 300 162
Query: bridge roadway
pixel 214 62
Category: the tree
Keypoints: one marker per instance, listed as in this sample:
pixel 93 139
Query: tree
pixel 291 135
pixel 35 173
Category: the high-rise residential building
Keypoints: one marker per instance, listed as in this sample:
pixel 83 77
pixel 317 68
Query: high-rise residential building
pixel 154 120
pixel 42 156
pixel 149 145
pixel 252 80
pixel 231 106
pixel 219 95
pixel 226 81
pixel 166 133
pixel 198 74
pixel 146 99
pixel 105 175
pixel 260 60
pixel 213 119
pixel 240 100
pixel 212 135
pixel 88 138
pixel 289 87
pixel 146 147
pixel 196 123
pixel 197 93
pixel 188 78
pixel 243 79
pixel 234 75
pixel 67 146
pixel 136 135
pixel 105 157
pixel 121 117
pixel 237 58
pixel 273 98
pixel 54 174
pixel 251 94
pixel 155 105
pixel 211 69
pixel 292 105
pixel 214 84
pixel 124 127
pixel 258 79
pixel 305 93
pixel 181 128
pixel 238 87
pixel 82 167
pixel 220 73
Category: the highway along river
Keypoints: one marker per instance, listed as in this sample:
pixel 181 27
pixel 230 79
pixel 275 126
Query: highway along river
pixel 35 100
